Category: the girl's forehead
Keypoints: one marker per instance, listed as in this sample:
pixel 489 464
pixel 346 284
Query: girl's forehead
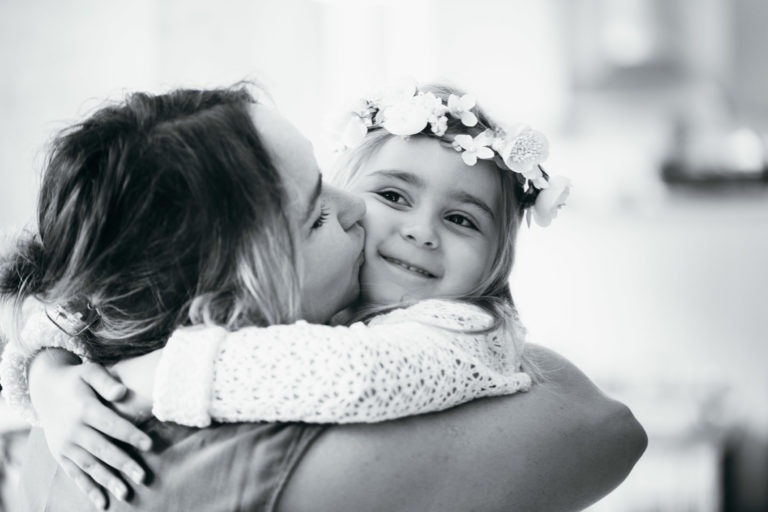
pixel 426 163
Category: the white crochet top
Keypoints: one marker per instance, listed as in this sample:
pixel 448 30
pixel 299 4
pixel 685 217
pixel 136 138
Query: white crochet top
pixel 419 359
pixel 427 357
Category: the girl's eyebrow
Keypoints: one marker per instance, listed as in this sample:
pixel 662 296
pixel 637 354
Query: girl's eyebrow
pixel 463 196
pixel 405 176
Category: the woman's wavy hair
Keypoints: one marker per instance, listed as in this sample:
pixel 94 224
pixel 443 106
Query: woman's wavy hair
pixel 492 293
pixel 161 211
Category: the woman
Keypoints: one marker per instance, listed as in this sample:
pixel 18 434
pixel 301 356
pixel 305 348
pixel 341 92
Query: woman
pixel 244 191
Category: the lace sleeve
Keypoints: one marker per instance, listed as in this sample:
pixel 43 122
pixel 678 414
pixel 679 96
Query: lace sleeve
pixel 38 333
pixel 425 358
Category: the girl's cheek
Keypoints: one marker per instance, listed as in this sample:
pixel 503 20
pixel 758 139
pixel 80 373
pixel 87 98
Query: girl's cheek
pixel 373 214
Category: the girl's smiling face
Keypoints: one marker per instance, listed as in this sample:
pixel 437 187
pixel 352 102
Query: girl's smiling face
pixel 431 227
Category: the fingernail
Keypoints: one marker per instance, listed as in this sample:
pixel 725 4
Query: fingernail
pixel 118 490
pixel 117 390
pixel 144 443
pixel 97 499
pixel 137 475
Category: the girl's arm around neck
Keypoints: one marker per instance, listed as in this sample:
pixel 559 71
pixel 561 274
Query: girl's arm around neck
pixel 561 446
pixel 424 358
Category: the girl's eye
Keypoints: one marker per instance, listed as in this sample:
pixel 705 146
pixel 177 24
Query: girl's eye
pixel 324 212
pixel 391 196
pixel 462 221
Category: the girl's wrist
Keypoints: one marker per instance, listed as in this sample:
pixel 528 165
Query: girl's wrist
pixel 50 358
pixel 42 366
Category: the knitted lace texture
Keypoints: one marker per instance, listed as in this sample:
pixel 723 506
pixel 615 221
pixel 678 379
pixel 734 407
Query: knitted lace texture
pixel 428 357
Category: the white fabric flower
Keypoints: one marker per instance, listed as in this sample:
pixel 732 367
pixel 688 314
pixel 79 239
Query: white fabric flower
pixel 540 182
pixel 536 177
pixel 439 125
pixel 432 103
pixel 524 151
pixel 498 143
pixel 406 117
pixel 437 119
pixel 550 200
pixel 473 148
pixel 461 108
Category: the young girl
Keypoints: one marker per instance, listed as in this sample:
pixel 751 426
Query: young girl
pixel 446 189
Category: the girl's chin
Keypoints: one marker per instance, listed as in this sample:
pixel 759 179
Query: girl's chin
pixel 386 294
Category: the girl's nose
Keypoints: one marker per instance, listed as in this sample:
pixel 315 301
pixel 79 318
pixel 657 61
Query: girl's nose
pixel 422 234
pixel 350 207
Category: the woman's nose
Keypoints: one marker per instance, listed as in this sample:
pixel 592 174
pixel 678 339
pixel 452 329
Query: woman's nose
pixel 350 207
pixel 421 233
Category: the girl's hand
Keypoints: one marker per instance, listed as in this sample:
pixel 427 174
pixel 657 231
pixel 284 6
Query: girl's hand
pixel 80 429
pixel 138 375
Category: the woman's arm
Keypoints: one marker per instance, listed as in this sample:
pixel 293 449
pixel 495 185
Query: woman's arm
pixel 559 447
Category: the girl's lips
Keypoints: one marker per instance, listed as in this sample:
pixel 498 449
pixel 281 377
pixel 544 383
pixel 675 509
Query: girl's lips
pixel 409 267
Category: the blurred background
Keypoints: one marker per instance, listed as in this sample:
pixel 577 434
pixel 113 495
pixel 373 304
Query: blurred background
pixel 654 278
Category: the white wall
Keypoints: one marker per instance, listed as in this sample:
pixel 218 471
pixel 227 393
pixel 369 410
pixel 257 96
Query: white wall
pixel 59 60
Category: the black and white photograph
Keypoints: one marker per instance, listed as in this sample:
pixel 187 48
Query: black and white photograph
pixel 384 255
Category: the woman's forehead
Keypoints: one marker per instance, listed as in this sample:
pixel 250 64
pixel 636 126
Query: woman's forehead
pixel 280 136
pixel 292 155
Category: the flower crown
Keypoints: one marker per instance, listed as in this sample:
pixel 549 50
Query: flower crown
pixel 408 111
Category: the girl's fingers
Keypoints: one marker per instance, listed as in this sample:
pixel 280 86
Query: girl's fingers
pixel 97 471
pixel 103 383
pixel 104 450
pixel 85 483
pixel 105 420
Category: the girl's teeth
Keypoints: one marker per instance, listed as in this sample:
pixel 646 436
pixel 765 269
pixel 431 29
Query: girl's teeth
pixel 413 269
